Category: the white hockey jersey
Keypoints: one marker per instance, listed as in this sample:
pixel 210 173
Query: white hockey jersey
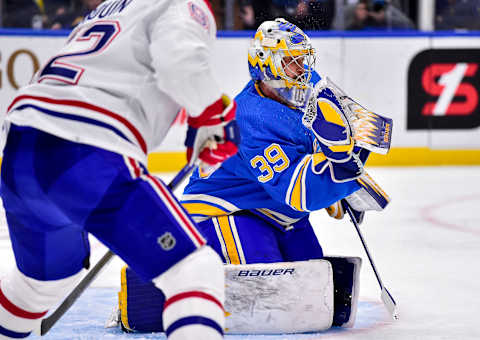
pixel 123 75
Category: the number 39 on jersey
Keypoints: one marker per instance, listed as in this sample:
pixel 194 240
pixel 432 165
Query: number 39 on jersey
pixel 274 160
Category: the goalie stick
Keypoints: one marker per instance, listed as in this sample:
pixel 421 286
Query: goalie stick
pixel 386 297
pixel 48 322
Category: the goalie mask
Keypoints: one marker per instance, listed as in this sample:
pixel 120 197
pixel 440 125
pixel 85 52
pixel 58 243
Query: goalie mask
pixel 278 50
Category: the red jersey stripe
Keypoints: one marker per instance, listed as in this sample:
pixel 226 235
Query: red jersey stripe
pixel 88 106
pixel 191 228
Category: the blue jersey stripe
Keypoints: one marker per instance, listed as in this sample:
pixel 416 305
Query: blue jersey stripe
pixel 75 118
pixel 193 320
pixel 12 334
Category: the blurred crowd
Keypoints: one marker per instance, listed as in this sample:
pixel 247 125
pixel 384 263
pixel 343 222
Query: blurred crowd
pixel 375 14
pixel 457 14
pixel 248 14
pixel 47 14
pixel 323 14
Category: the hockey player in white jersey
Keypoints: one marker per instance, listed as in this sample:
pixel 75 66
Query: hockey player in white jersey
pixel 75 156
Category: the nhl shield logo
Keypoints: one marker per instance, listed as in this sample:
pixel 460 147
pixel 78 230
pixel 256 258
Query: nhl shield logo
pixel 167 241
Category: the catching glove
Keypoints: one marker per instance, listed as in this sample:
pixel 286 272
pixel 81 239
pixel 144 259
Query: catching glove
pixel 213 136
pixel 338 120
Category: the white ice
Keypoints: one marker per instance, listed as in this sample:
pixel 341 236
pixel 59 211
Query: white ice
pixel 426 246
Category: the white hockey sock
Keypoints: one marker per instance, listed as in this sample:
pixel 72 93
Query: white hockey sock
pixel 25 301
pixel 194 290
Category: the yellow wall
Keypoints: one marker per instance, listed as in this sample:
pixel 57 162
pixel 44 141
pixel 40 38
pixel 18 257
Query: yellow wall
pixel 425 156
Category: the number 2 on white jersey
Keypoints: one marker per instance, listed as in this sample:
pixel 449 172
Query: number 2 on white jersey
pixel 101 33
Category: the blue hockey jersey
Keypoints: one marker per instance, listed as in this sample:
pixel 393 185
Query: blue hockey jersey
pixel 273 174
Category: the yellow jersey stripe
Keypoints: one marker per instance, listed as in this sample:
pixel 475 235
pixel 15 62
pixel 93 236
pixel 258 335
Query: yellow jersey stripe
pixel 236 238
pixel 229 239
pixel 296 198
pixel 221 240
pixel 203 209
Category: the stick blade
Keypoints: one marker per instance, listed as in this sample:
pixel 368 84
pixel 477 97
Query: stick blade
pixel 389 303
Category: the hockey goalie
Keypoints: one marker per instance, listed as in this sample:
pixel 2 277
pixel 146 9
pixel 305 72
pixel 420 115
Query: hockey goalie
pixel 304 147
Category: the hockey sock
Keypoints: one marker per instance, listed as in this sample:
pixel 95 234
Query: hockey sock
pixel 194 291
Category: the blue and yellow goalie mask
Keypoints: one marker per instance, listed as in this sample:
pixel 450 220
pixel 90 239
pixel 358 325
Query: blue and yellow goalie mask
pixel 281 55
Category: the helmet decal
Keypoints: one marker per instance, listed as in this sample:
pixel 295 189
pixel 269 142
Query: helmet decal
pixel 263 64
pixel 287 26
pixel 297 39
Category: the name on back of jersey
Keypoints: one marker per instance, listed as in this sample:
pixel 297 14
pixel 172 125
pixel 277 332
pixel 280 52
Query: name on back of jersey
pixel 107 8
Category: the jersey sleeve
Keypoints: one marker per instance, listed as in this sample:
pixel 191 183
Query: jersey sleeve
pixel 181 44
pixel 281 158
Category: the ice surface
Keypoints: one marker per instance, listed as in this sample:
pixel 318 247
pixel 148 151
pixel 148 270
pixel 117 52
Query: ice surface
pixel 426 247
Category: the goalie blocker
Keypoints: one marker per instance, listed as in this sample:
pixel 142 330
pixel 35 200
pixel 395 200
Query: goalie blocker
pixel 283 297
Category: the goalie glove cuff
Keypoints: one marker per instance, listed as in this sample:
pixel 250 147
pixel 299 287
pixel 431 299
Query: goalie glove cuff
pixel 339 172
pixel 348 171
pixel 338 153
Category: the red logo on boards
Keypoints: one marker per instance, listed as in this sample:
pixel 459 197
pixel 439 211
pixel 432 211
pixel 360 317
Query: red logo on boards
pixel 443 90
pixel 444 81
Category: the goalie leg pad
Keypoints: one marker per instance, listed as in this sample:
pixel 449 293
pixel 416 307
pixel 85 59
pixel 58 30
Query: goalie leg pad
pixel 285 297
pixel 346 271
pixel 140 303
pixel 194 289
